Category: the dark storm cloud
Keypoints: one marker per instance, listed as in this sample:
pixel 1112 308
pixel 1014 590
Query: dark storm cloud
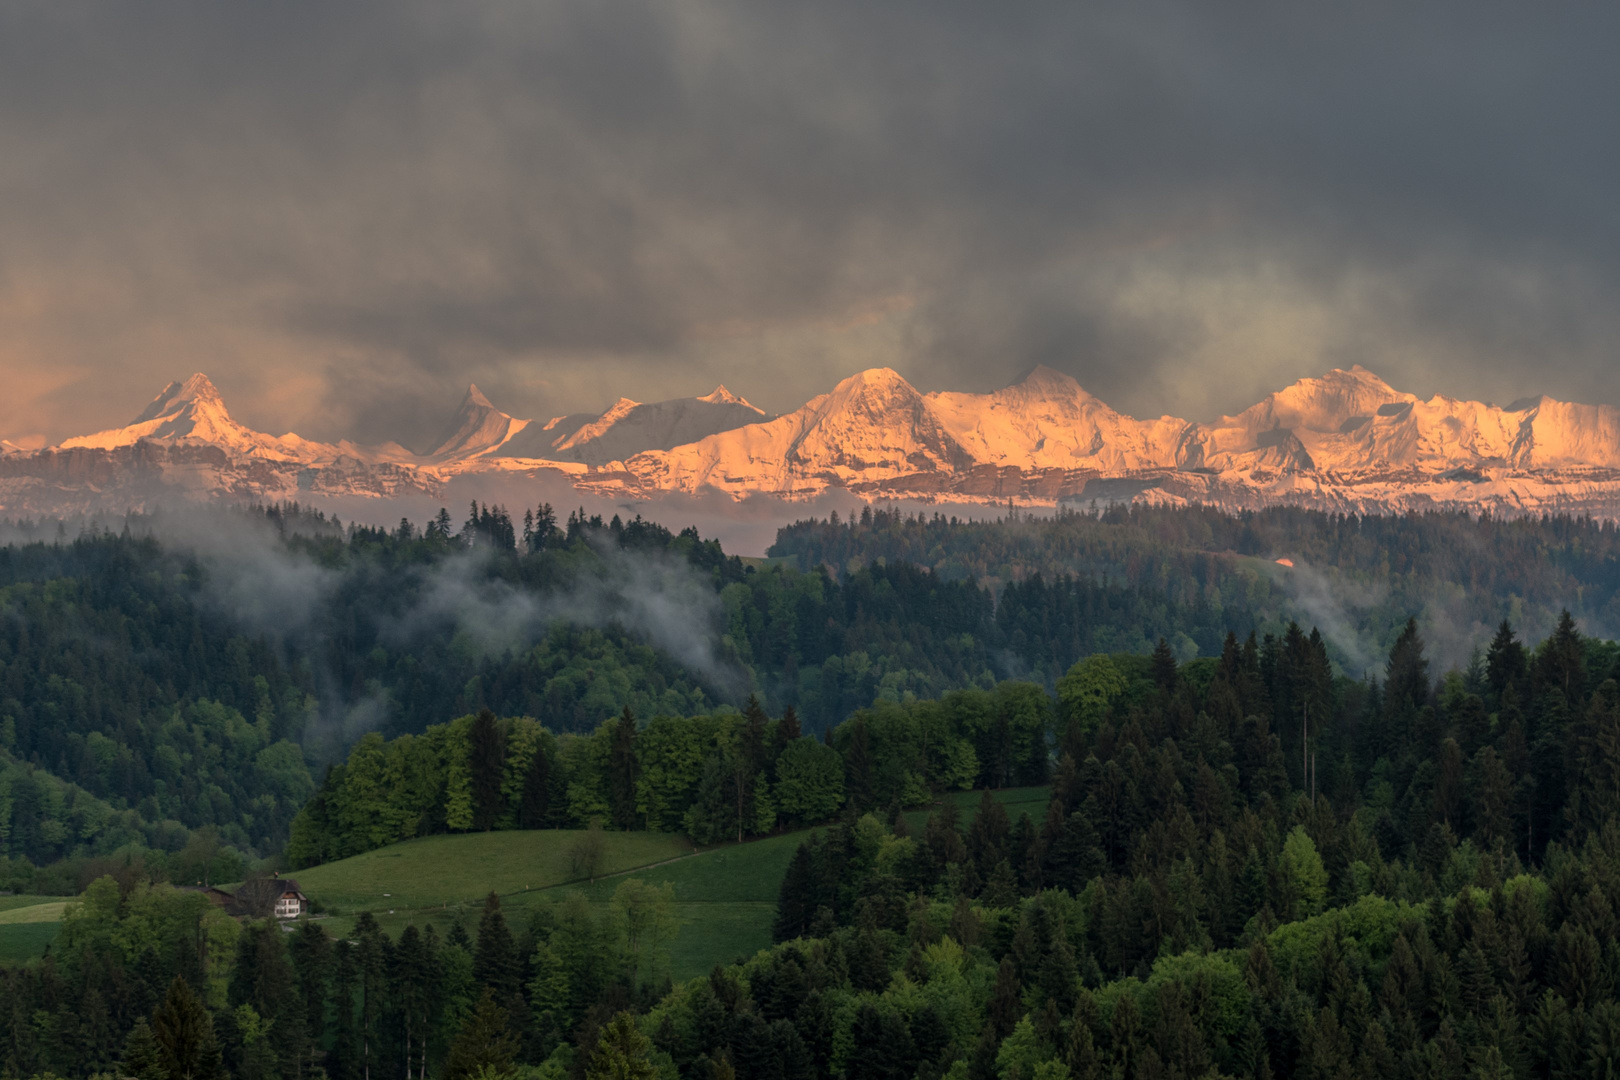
pixel 344 212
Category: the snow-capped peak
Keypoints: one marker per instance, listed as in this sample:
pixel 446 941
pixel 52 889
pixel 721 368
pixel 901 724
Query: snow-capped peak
pixel 721 396
pixel 629 427
pixel 1345 438
pixel 477 429
pixel 1048 420
pixel 1047 381
pixel 193 411
pixel 198 389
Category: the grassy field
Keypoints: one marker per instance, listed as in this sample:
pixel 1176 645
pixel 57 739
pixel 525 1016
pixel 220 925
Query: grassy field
pixel 44 909
pixel 444 871
pixel 27 925
pixel 725 898
pixel 21 900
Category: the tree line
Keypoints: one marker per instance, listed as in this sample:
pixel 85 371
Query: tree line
pixel 129 693
pixel 126 678
pixel 1201 897
pixel 153 983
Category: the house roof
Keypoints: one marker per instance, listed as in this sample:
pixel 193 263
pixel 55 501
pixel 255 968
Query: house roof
pixel 262 894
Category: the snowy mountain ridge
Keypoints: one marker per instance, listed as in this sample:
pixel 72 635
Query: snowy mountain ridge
pixel 1345 440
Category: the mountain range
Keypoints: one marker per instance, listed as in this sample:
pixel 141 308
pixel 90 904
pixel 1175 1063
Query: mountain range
pixel 1346 441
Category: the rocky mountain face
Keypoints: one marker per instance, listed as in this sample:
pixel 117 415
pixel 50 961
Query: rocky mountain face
pixel 1345 441
pixel 629 427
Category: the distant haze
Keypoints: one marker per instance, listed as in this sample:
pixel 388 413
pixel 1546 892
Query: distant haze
pixel 345 213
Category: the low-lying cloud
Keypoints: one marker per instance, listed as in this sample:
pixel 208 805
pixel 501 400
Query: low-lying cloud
pixel 344 212
pixel 253 578
pixel 656 597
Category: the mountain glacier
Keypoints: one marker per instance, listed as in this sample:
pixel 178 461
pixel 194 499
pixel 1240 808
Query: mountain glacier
pixel 1346 441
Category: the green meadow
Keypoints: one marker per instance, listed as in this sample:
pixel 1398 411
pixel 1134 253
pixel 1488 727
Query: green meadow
pixel 27 925
pixel 725 897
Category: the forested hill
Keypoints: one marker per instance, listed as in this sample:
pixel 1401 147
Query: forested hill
pixel 194 673
pixel 1358 578
pixel 1434 895
pixel 175 675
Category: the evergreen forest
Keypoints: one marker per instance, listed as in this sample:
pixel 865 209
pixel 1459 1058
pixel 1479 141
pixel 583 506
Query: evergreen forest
pixel 1266 849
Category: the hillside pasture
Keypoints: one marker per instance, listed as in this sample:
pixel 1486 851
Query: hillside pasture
pixel 27 925
pixel 725 897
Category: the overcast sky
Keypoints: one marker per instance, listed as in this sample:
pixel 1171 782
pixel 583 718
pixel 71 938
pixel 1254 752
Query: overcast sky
pixel 345 212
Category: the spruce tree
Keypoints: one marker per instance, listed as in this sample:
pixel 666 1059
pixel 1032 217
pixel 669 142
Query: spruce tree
pixel 1006 999
pixel 485 762
pixel 142 1058
pixel 787 733
pixel 412 976
pixel 622 771
pixel 1505 659
pixel 858 766
pixel 311 952
pixel 535 810
pixel 1406 683
pixel 371 954
pixel 1563 660
pixel 882 1046
pixel 1164 666
pixel 622 1052
pixel 495 963
pixel 185 1036
pixel 754 727
pixel 549 997
pixel 1595 798
pixel 343 1061
pixel 484 1043
pixel 796 902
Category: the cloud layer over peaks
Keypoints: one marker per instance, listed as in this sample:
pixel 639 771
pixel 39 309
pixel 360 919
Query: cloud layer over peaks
pixel 346 212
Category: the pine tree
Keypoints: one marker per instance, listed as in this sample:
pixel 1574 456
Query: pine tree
pixel 622 1052
pixel 1006 999
pixel 311 953
pixel 882 1046
pixel 412 978
pixel 549 998
pixel 796 902
pixel 545 523
pixel 988 835
pixel 1563 659
pixel 622 771
pixel 1080 1049
pixel 142 1058
pixel 788 732
pixel 371 965
pixel 1164 666
pixel 858 766
pixel 185 1036
pixel 1125 1028
pixel 343 1062
pixel 484 1043
pixel 495 963
pixel 486 761
pixel 1596 798
pixel 1406 682
pixel 1505 659
pixel 535 810
pixel 752 736
pixel 261 976
pixel 869 966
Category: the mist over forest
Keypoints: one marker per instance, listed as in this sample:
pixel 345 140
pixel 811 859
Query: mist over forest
pixel 1381 733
